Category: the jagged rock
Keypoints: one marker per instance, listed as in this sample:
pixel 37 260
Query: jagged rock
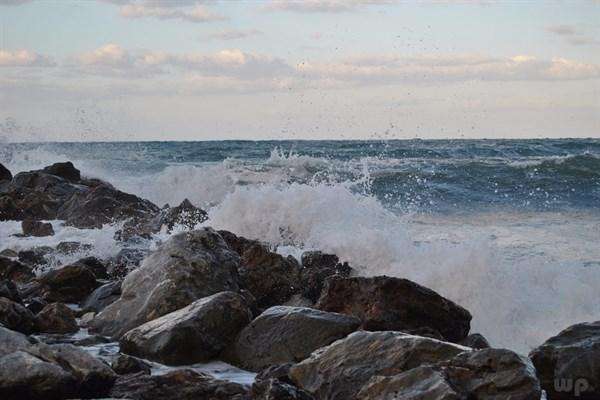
pixel 69 284
pixel 5 174
pixel 97 267
pixel 125 365
pixel 11 341
pixel 36 228
pixel 568 364
pixel 24 376
pixel 36 256
pixel 187 267
pixel 36 304
pixel 16 317
pixel 196 333
pixel 69 248
pixel 273 389
pixel 289 334
pixel 239 244
pixel 125 261
pixel 385 303
pixel 15 270
pixel 486 374
pixel 102 297
pixel 65 170
pixel 280 372
pixel 316 268
pixel 56 318
pixel 476 341
pixel 9 290
pixel 177 385
pixel 94 378
pixel 338 371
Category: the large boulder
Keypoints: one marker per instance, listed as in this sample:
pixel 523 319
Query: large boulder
pixel 475 341
pixel 316 268
pixel 273 389
pixel 289 334
pixel 338 371
pixel 177 385
pixel 69 284
pixel 5 174
pixel 187 267
pixel 196 333
pixel 56 318
pixel 10 291
pixel 487 374
pixel 16 317
pixel 31 227
pixel 568 364
pixel 102 297
pixel 11 341
pixel 15 271
pixel 394 304
pixel 65 170
pixel 125 365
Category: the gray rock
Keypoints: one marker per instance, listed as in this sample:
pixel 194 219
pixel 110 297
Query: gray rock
pixel 16 317
pixel 15 271
pixel 11 341
pixel 9 290
pixel 56 318
pixel 316 268
pixel 5 174
pixel 476 341
pixel 338 371
pixel 69 284
pixel 273 389
pixel 102 297
pixel 568 364
pixel 393 304
pixel 195 333
pixel 125 365
pixel 37 228
pixel 65 170
pixel 284 334
pixel 187 267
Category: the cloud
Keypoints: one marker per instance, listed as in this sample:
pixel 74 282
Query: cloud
pixel 572 35
pixel 110 55
pixel 24 58
pixel 14 2
pixel 233 34
pixel 563 30
pixel 185 10
pixel 320 6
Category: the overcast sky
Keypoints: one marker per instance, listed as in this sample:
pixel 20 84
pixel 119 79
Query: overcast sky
pixel 316 69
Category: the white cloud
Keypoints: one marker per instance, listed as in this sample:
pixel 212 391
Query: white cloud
pixel 24 58
pixel 572 35
pixel 320 6
pixel 110 55
pixel 185 10
pixel 233 34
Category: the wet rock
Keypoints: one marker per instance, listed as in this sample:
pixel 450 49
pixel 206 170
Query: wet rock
pixel 125 261
pixel 11 341
pixel 177 385
pixel 24 376
pixel 316 268
pixel 338 371
pixel 36 304
pixel 289 334
pixel 37 228
pixel 15 270
pixel 187 267
pixel 196 333
pixel 65 170
pixel 102 297
pixel 16 317
pixel 9 210
pixel 86 318
pixel 385 303
pixel 485 374
pixel 97 267
pixel 568 364
pixel 69 248
pixel 239 244
pixel 5 174
pixel 476 341
pixel 10 291
pixel 92 340
pixel 280 372
pixel 36 257
pixel 10 253
pixel 125 365
pixel 56 318
pixel 69 284
pixel 273 389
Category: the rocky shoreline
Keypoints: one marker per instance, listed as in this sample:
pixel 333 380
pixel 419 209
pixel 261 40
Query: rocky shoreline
pixel 309 328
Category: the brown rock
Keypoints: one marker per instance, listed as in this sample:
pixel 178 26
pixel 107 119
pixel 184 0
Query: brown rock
pixel 37 228
pixel 56 318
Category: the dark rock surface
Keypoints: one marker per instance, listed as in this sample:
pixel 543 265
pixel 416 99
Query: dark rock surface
pixel 9 290
pixel 102 297
pixel 316 268
pixel 16 317
pixel 56 318
pixel 273 389
pixel 69 284
pixel 11 341
pixel 37 228
pixel 187 267
pixel 394 304
pixel 289 334
pixel 36 304
pixel 338 371
pixel 570 361
pixel 476 341
pixel 15 271
pixel 5 174
pixel 124 365
pixel 65 170
pixel 195 333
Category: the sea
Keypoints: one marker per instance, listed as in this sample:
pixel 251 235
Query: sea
pixel 509 229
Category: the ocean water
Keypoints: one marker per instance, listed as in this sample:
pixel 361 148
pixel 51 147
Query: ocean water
pixel 510 229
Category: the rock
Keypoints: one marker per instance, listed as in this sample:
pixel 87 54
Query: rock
pixel 280 372
pixel 94 378
pixel 102 297
pixel 385 303
pixel 177 385
pixel 195 333
pixel 56 318
pixel 125 365
pixel 476 341
pixel 298 300
pixel 10 253
pixel 5 174
pixel 24 376
pixel 91 341
pixel 316 268
pixel 11 341
pixel 69 284
pixel 289 334
pixel 97 267
pixel 239 244
pixel 69 248
pixel 86 318
pixel 273 389
pixel 36 228
pixel 9 210
pixel 486 374
pixel 187 267
pixel 9 290
pixel 125 261
pixel 36 257
pixel 338 371
pixel 568 364
pixel 15 271
pixel 36 304
pixel 65 170
pixel 16 317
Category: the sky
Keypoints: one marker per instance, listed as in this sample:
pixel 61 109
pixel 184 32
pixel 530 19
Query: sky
pixel 91 70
